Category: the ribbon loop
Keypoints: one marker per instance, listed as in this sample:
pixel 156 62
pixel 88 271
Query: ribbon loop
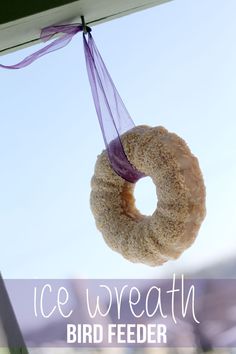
pixel 113 116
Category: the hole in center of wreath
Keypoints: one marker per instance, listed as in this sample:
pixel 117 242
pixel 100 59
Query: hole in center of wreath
pixel 145 196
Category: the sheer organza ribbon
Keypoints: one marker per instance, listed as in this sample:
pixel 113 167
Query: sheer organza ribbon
pixel 113 116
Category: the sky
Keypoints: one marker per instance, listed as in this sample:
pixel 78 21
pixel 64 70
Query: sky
pixel 174 65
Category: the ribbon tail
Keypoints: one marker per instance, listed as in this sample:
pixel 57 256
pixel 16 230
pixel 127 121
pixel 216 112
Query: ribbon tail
pixel 55 45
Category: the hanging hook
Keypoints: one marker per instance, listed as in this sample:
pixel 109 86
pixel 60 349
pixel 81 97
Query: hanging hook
pixel 86 29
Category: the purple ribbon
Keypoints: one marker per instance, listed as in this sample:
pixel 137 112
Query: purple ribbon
pixel 113 116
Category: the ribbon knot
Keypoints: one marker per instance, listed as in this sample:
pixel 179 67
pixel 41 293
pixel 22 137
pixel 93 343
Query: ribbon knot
pixel 48 32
